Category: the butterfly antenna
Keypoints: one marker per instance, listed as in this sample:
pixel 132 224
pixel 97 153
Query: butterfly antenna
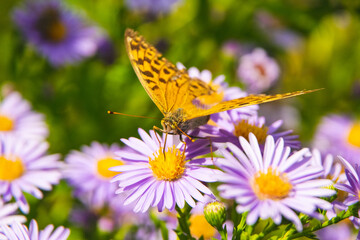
pixel 129 115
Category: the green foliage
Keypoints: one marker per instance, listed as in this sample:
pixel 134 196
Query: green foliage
pixel 75 99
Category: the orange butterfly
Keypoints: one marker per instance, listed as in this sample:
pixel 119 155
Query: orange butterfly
pixel 179 97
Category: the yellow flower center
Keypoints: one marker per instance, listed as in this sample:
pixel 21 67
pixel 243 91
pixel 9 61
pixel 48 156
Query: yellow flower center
pixel 11 168
pixel 104 164
pixel 354 135
pixel 6 124
pixel 243 128
pixel 200 227
pixel 50 26
pixel 271 185
pixel 169 165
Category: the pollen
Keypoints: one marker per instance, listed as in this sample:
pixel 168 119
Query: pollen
pixel 169 165
pixel 104 164
pixel 6 124
pixel 243 128
pixel 200 227
pixel 354 135
pixel 271 185
pixel 50 26
pixel 11 168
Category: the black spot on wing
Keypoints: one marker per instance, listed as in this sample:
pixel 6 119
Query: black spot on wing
pixel 147 73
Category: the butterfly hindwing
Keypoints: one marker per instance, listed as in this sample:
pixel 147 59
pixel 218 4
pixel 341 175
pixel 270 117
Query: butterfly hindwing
pixel 243 102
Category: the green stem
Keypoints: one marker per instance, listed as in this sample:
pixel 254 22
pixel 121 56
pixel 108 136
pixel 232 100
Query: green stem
pixel 341 216
pixel 183 220
pixel 268 230
pixel 223 233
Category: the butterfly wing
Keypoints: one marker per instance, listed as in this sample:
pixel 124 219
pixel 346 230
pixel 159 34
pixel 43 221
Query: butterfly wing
pixel 242 102
pixel 172 89
pixel 166 85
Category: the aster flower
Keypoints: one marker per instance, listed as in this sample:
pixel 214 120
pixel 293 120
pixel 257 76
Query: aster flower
pixel 339 135
pixel 25 167
pixel 17 118
pixel 231 125
pixel 152 6
pixel 352 187
pixel 91 166
pixel 18 231
pixel 258 71
pixel 335 232
pixel 7 212
pixel 274 183
pixel 162 174
pixel 57 33
pixel 332 168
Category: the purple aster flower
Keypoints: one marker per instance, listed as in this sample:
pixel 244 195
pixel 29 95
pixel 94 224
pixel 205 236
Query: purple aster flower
pixel 91 166
pixel 231 125
pixel 161 174
pixel 17 118
pixel 258 71
pixel 333 169
pixel 25 167
pixel 152 6
pixel 274 183
pixel 7 212
pixel 57 33
pixel 339 135
pixel 18 231
pixel 352 187
pixel 335 232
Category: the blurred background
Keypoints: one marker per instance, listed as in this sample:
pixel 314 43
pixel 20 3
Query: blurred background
pixel 315 44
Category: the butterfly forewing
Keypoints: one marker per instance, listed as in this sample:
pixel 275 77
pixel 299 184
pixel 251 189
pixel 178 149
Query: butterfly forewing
pixel 166 85
pixel 169 87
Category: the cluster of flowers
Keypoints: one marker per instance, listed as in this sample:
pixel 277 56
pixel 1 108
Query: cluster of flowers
pixel 261 167
pixel 25 167
pixel 64 37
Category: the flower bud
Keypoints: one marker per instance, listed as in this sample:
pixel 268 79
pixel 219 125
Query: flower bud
pixel 215 214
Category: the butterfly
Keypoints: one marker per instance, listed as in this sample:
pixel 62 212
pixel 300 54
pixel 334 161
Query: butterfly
pixel 179 97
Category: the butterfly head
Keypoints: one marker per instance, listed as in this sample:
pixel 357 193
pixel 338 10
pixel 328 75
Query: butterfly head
pixel 173 121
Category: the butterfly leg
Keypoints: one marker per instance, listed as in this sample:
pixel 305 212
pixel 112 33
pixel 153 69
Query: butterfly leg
pixel 183 141
pixel 155 128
